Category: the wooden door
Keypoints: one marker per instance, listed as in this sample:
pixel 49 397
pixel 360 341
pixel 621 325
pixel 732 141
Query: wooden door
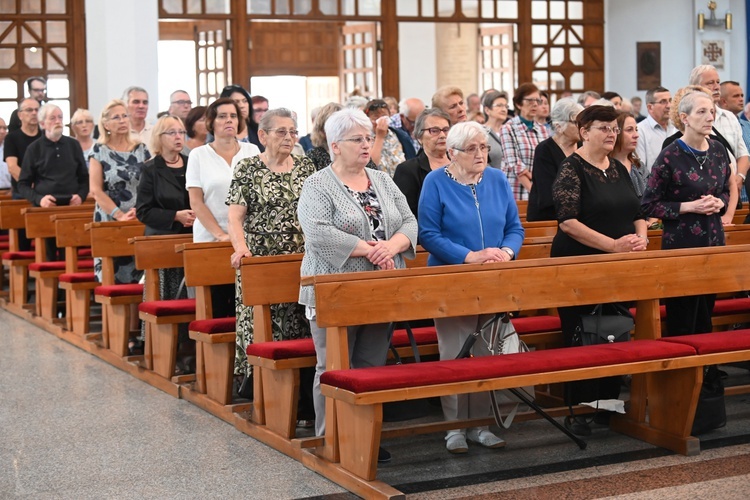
pixel 360 65
pixel 212 54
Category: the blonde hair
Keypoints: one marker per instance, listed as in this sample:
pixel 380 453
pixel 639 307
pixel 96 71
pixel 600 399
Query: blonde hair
pixel 318 134
pixel 104 135
pixel 79 113
pixel 161 126
pixel 443 93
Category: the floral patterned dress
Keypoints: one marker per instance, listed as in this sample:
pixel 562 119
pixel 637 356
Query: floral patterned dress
pixel 271 228
pixel 681 174
pixel 121 172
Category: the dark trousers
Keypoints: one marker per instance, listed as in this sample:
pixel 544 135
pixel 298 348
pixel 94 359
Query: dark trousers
pixel 689 315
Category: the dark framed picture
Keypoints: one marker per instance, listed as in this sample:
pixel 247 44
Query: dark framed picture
pixel 649 65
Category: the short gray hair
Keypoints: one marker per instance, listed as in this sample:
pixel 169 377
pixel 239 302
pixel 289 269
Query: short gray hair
pixel 603 102
pixel 589 93
pixel 463 132
pixel 419 127
pixel 688 101
pixel 267 120
pixel 45 109
pixel 564 110
pixel 343 122
pixel 130 90
pixel 356 102
pixel 697 73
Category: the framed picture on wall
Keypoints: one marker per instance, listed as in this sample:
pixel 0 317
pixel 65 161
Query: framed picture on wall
pixel 649 65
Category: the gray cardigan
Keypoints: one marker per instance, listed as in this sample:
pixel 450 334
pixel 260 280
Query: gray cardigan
pixel 334 222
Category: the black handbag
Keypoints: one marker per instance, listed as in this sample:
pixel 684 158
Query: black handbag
pixel 599 328
pixel 710 413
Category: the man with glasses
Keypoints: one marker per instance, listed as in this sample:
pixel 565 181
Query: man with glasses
pixel 19 140
pixel 37 87
pixel 54 172
pixel 655 128
pixel 180 104
pixel 408 111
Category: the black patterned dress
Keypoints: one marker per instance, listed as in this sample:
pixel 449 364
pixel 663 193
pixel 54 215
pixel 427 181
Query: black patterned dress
pixel 271 228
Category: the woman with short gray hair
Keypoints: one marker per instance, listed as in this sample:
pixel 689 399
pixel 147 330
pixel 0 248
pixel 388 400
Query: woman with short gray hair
pixel 548 157
pixel 354 219
pixel 431 130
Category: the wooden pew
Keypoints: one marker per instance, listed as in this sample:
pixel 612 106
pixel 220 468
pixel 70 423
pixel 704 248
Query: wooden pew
pixel 39 227
pixel 17 261
pixel 162 317
pixel 72 235
pixel 108 241
pixel 342 301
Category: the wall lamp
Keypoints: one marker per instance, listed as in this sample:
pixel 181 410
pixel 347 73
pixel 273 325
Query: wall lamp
pixel 712 21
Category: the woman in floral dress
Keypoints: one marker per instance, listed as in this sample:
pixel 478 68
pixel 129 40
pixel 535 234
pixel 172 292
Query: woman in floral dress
pixel 115 166
pixel 689 190
pixel 262 203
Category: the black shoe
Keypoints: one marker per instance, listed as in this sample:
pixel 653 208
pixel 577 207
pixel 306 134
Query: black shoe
pixel 723 375
pixel 577 427
pixel 602 417
pixel 384 455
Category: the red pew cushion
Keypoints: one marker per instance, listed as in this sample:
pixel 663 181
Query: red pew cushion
pixel 731 306
pixel 84 252
pixel 214 325
pixel 285 349
pixel 24 254
pixel 422 335
pixel 119 290
pixel 59 265
pixel 536 324
pixel 168 307
pixel 709 343
pixel 77 277
pixel 488 367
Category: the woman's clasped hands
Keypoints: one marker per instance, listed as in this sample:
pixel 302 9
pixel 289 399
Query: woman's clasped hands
pixel 630 243
pixel 381 254
pixel 705 205
pixel 487 255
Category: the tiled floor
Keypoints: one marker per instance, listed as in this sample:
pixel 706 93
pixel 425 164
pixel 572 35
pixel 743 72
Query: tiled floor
pixel 71 426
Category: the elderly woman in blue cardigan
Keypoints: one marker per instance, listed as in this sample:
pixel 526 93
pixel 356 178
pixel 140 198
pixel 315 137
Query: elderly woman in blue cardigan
pixel 354 219
pixel 467 214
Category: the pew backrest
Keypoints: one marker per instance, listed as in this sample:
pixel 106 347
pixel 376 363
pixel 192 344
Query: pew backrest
pixel 109 240
pixel 157 252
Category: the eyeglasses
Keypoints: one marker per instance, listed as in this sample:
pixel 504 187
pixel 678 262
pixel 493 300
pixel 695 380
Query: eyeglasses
pixel 281 132
pixel 260 110
pixel 117 118
pixel 437 130
pixel 173 133
pixel 663 102
pixel 376 105
pixel 472 150
pixel 532 101
pixel 39 90
pixel 360 140
pixel 29 110
pixel 501 106
pixel 81 122
pixel 183 102
pixel 607 129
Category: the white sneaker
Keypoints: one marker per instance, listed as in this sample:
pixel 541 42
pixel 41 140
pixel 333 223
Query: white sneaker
pixel 485 438
pixel 456 443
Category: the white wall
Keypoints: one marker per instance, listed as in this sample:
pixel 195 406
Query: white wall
pixel 417 60
pixel 121 40
pixel 674 24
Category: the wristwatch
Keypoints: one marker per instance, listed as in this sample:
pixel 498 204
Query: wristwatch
pixel 509 251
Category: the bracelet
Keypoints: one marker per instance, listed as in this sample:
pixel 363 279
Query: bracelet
pixel 114 211
pixel 509 251
pixel 743 176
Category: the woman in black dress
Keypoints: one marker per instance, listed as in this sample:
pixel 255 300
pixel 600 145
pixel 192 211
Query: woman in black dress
pixel 598 212
pixel 689 191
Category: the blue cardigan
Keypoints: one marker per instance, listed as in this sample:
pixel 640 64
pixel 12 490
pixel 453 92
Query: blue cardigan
pixel 451 225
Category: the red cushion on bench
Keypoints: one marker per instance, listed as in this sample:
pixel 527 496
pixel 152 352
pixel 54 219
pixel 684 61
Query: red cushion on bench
pixel 77 277
pixel 84 252
pixel 488 367
pixel 168 307
pixel 536 324
pixel 732 306
pixel 24 254
pixel 47 266
pixel 4 246
pixel 284 349
pixel 119 290
pixel 709 343
pixel 214 325
pixel 422 335
pixel 4 237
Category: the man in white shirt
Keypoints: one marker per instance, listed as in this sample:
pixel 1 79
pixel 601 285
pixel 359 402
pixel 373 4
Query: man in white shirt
pixel 136 99
pixel 655 128
pixel 733 100
pixel 729 127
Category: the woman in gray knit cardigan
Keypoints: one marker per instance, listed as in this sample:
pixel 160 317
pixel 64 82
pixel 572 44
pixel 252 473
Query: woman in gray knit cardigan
pixel 354 219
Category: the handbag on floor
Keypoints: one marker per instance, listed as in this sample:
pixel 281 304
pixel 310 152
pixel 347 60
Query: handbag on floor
pixel 599 328
pixel 711 412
